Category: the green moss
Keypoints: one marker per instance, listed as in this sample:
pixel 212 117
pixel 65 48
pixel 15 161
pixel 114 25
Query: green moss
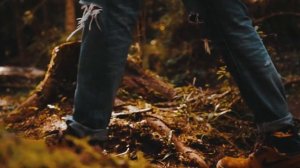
pixel 16 152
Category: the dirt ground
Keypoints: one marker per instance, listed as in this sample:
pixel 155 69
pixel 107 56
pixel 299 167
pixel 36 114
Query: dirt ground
pixel 210 125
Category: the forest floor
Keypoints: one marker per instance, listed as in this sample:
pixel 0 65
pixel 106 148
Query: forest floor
pixel 213 129
pixel 213 121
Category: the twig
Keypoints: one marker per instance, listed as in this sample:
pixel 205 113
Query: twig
pixel 123 153
pixel 166 104
pixel 132 112
pixel 218 96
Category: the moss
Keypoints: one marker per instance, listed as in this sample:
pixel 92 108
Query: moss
pixel 16 152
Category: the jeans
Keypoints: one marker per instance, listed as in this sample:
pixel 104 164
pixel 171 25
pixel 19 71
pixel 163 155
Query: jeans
pixel 105 43
pixel 103 57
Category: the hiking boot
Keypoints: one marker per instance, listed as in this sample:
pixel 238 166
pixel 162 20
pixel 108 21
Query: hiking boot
pixel 265 157
pixel 278 150
pixel 76 129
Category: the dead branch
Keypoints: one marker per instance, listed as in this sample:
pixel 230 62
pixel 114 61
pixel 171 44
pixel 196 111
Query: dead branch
pixel 190 154
pixel 19 77
pixel 127 113
pixel 158 125
pixel 30 73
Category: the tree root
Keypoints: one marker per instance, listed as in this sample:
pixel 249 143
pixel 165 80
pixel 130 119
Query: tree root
pixel 190 154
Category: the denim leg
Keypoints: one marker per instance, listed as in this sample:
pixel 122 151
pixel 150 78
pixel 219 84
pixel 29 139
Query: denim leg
pixel 104 49
pixel 249 63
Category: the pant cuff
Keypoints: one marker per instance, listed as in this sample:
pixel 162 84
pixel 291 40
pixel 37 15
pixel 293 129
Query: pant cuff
pixel 276 125
pixel 83 131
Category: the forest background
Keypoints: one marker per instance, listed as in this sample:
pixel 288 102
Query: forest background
pixel 167 44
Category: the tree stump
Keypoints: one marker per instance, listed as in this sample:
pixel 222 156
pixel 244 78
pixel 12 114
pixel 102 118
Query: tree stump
pixel 60 81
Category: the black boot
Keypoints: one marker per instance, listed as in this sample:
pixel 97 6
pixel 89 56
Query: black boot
pixel 95 136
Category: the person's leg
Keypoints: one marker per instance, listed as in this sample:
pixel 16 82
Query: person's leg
pixel 249 63
pixel 259 83
pixel 105 43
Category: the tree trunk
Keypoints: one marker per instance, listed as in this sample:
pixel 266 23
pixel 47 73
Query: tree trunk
pixel 18 30
pixel 70 16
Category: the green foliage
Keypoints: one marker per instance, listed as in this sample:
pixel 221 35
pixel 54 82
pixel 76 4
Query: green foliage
pixel 16 152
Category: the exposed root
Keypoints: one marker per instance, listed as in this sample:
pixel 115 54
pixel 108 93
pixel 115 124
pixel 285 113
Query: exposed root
pixel 190 154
